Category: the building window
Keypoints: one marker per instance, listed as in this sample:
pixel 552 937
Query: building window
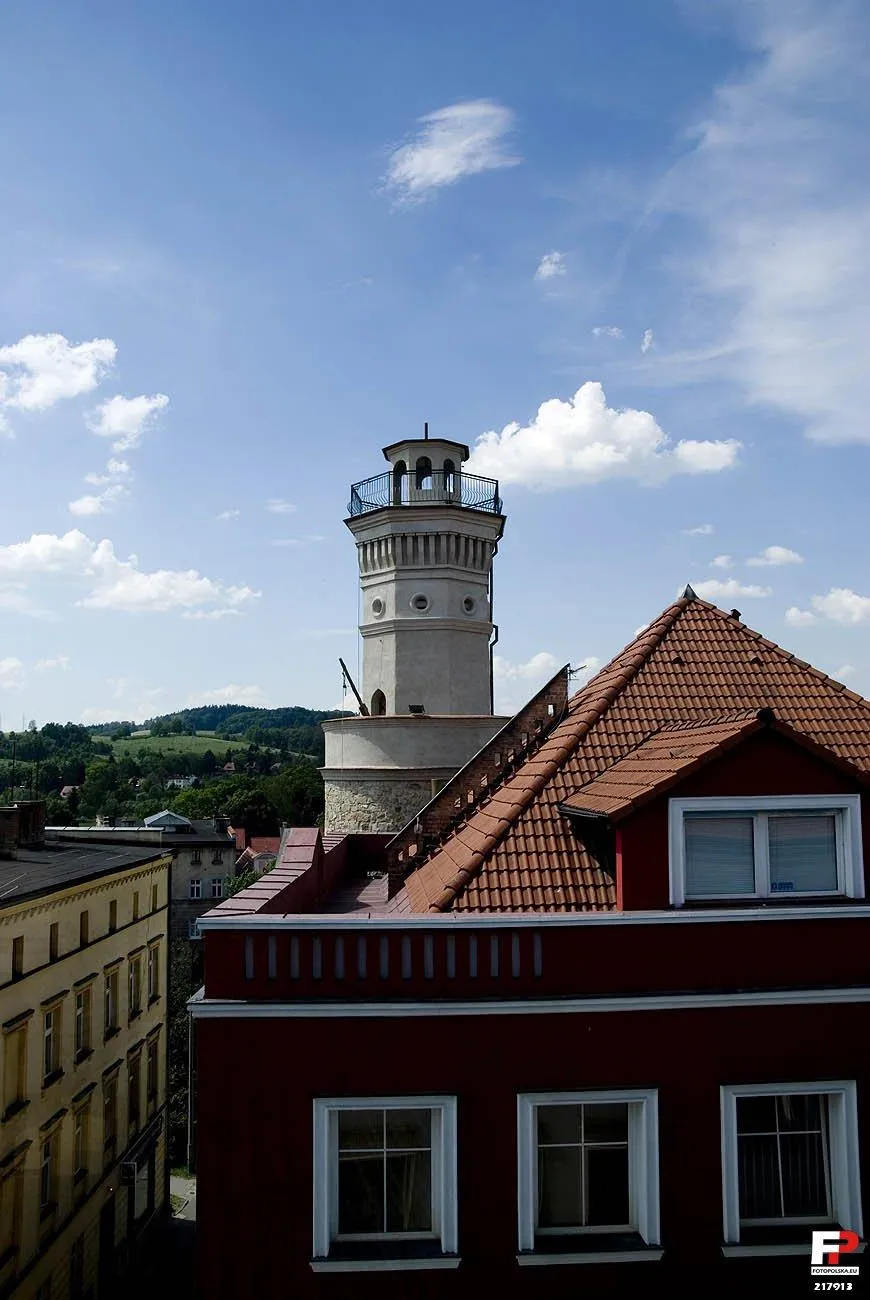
pixel 154 898
pixel 110 1118
pixel 780 846
pixel 152 1067
pixel 18 957
pixel 196 888
pixel 80 1144
pixel 153 973
pixel 53 941
pixel 50 1045
pixel 134 986
pixel 113 916
pixel 196 857
pixel 11 1206
pixel 77 1269
pixel 83 1023
pixel 217 858
pixel 789 1157
pixel 83 929
pixel 385 1172
pixel 14 1069
pixel 134 1089
pixel 135 904
pixel 110 1016
pixel 217 886
pixel 48 1175
pixel 588 1172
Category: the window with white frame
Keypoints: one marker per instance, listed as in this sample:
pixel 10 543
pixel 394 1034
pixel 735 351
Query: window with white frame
pixel 588 1171
pixel 384 1172
pixel 789 1158
pixel 217 886
pixel 196 888
pixel 772 847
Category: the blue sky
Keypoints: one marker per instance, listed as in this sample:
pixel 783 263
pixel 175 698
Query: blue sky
pixel 621 250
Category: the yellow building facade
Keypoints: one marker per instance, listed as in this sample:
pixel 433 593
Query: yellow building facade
pixel 83 1006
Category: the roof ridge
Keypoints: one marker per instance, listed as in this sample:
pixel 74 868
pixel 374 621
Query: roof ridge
pixel 645 644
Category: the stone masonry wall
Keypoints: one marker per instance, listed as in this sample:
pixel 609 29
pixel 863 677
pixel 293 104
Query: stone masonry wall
pixel 373 805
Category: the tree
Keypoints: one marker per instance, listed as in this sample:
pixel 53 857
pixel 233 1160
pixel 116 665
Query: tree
pixel 253 810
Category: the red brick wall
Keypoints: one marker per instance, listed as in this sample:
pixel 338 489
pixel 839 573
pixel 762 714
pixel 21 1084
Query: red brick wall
pixel 258 1079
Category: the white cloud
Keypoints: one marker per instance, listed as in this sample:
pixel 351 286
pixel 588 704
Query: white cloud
pixel 298 541
pixel 460 140
pixel 211 614
pixel 844 672
pixel 550 266
pixel 11 674
pixel 42 369
pixel 278 506
pixel 583 440
pixel 775 188
pixel 250 695
pixel 722 562
pixel 703 530
pixel 100 503
pixel 796 617
pixel 126 419
pixel 648 341
pixel 842 606
pixel 119 468
pixel 716 589
pixel 607 331
pixel 117 584
pixel 60 662
pixel 541 665
pixel 228 514
pixel 775 555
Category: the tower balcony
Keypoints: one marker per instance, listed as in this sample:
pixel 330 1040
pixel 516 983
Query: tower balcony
pixel 435 488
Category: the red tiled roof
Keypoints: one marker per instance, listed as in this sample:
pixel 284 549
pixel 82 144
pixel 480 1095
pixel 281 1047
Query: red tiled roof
pixel 695 663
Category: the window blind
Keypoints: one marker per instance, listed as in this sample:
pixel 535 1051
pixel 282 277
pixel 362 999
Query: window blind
pixel 803 853
pixel 719 855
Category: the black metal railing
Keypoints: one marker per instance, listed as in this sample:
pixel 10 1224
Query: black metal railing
pixel 440 487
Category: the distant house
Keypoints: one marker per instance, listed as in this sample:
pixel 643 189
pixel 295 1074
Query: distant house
pixel 179 782
pixel 67 790
pixel 260 855
pixel 229 768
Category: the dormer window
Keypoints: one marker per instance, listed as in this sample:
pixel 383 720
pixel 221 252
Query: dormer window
pixel 776 847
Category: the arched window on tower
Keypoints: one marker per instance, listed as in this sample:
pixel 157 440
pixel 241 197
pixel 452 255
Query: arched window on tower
pixel 449 476
pixel 399 472
pixel 379 704
pixel 423 477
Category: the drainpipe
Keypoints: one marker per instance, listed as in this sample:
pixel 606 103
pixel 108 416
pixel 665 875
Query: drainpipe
pixel 494 642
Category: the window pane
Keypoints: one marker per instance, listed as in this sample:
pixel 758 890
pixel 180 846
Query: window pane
pixel 758 1176
pixel 719 855
pixel 409 1192
pixel 607 1185
pixel 605 1123
pixel 361 1193
pixel 559 1187
pixel 558 1124
pixel 409 1129
pixel 358 1130
pixel 803 1174
pixel 799 1112
pixel 756 1114
pixel 803 853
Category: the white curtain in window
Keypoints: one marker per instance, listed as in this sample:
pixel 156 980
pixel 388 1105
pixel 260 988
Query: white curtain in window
pixel 719 855
pixel 803 853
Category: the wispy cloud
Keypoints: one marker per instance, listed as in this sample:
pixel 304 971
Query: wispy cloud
pixel 722 562
pixel 278 506
pixel 717 589
pixel 100 503
pixel 126 419
pixel 648 341
pixel 583 440
pixel 232 694
pixel 460 140
pixel 551 266
pixel 226 515
pixel 11 674
pixel 607 331
pixel 309 540
pixel 60 663
pixel 702 530
pixel 773 556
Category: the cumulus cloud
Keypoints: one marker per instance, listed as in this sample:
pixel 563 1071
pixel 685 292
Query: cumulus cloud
pixel 648 341
pixel 278 506
pixel 797 617
pixel 126 419
pixel 60 662
pixel 11 674
pixel 541 665
pixel 702 530
pixel 459 140
pixel 550 266
pixel 722 562
pixel 607 331
pixel 253 696
pixel 841 605
pixel 115 584
pixel 99 503
pixel 717 589
pixel 226 515
pixel 844 672
pixel 583 440
pixel 41 369
pixel 772 556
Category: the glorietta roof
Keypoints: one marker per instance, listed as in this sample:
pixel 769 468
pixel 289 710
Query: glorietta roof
pixel 694 665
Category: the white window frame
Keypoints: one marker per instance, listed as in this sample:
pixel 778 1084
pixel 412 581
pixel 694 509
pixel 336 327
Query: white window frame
pixel 216 884
pixel 845 1177
pixel 643 1162
pixel 850 861
pixel 195 888
pixel 443 1177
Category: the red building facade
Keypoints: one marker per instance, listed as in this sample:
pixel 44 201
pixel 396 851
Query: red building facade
pixel 606 1033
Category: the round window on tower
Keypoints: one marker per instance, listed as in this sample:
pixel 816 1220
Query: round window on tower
pixel 420 603
pixel 378 607
pixel 469 605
